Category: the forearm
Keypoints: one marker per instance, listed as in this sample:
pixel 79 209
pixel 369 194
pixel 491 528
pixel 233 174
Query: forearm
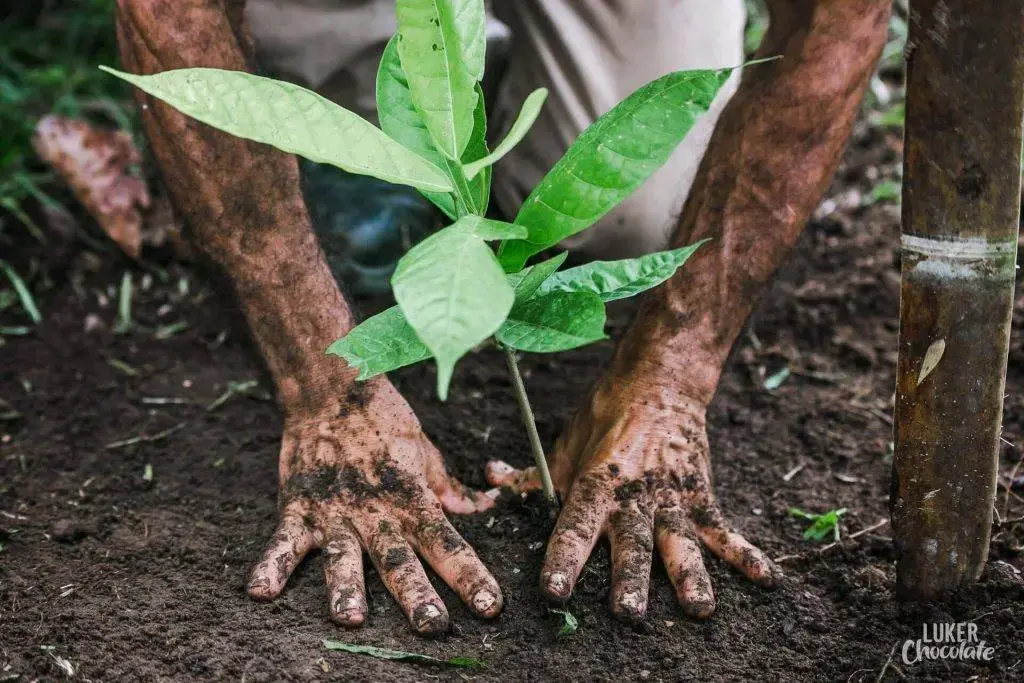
pixel 772 155
pixel 243 204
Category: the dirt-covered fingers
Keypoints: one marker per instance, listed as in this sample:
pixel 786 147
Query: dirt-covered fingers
pixel 576 532
pixel 500 473
pixel 733 548
pixel 458 566
pixel 677 544
pixel 343 570
pixel 403 576
pixel 632 544
pixel 293 538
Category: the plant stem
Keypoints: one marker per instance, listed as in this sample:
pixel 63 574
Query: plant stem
pixel 531 425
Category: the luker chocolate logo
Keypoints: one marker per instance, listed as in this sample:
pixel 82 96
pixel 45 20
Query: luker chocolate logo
pixel 952 641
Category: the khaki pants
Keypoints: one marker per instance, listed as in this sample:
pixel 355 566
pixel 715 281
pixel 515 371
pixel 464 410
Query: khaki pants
pixel 589 53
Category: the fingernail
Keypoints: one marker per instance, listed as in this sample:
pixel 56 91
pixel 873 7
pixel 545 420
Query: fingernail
pixel 483 601
pixel 347 605
pixel 557 583
pixel 259 586
pixel 429 619
pixel 630 607
pixel 501 468
pixel 700 609
pixel 350 611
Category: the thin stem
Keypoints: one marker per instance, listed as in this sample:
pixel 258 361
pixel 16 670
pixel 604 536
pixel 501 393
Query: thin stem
pixel 531 425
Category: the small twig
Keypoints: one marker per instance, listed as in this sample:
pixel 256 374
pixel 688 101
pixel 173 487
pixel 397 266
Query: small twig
pixel 877 525
pixel 793 472
pixel 145 438
pixel 124 305
pixel 885 668
pixel 884 417
pixel 531 426
pixel 164 401
pixel 234 389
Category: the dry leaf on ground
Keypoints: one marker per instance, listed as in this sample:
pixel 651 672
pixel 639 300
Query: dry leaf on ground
pixel 96 164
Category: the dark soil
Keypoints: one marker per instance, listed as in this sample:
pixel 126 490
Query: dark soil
pixel 131 578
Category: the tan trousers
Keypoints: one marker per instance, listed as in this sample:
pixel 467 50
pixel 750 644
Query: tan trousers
pixel 589 53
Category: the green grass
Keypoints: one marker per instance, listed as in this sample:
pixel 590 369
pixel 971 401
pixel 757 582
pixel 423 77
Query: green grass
pixel 48 56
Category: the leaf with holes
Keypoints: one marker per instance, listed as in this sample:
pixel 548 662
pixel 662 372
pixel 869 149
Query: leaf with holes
pixel 442 46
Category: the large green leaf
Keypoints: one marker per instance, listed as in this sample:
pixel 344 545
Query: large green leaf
pixel 526 282
pixel 442 45
pixel 400 120
pixel 381 344
pixel 612 158
pixel 292 119
pixel 527 116
pixel 453 293
pixel 613 280
pixel 554 322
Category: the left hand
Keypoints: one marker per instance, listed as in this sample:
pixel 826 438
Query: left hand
pixel 636 465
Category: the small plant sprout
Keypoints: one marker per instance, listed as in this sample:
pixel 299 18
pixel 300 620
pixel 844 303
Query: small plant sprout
pixel 822 526
pixel 570 624
pixel 453 290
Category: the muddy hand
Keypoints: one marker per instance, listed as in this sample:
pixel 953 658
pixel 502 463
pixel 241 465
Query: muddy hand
pixel 369 479
pixel 637 471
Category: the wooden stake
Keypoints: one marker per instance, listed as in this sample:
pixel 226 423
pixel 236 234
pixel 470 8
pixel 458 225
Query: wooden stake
pixel 961 208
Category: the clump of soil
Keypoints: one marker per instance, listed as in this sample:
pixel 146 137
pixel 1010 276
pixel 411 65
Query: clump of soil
pixel 128 556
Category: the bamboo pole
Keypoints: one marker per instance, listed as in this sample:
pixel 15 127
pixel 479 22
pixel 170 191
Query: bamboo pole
pixel 961 208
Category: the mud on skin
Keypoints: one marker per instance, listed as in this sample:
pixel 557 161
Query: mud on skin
pixel 356 471
pixel 636 458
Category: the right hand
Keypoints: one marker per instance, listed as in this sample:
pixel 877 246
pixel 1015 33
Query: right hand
pixel 636 465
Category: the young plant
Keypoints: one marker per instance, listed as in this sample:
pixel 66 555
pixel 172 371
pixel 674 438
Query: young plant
pixel 453 291
pixel 822 526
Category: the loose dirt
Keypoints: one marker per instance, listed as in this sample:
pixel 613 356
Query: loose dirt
pixel 131 577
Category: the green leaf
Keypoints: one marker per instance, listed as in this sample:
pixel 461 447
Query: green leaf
pixel 570 624
pixel 292 119
pixel 479 187
pixel 559 321
pixel 822 525
pixel 400 120
pixel 775 381
pixel 381 344
pixel 611 159
pixel 527 282
pixel 527 116
pixel 398 655
pixel 28 302
pixel 489 229
pixel 453 293
pixel 442 45
pixel 613 280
